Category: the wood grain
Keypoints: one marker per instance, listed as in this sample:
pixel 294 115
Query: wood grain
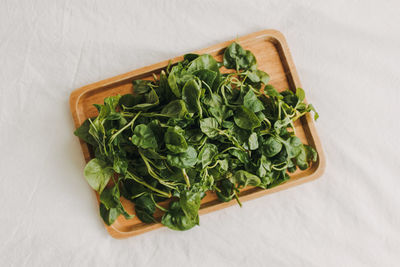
pixel 273 57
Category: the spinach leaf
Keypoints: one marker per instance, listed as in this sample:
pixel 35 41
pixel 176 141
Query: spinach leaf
pixel 144 137
pixel 203 62
pixel 252 103
pixel 175 140
pixel 108 215
pixel 226 190
pixel 176 219
pixel 207 153
pixel 83 133
pixel 243 178
pixel 253 141
pixel 206 76
pixel 97 174
pixel 191 95
pixel 246 119
pixel 235 57
pixel 220 112
pixel 183 160
pixel 145 208
pixel 271 146
pixel 175 109
pixel 209 126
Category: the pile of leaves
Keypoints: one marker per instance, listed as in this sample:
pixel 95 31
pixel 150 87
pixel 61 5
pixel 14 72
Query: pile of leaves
pixel 190 130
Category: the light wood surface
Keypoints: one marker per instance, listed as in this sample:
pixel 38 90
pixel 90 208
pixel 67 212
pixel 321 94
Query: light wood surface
pixel 273 57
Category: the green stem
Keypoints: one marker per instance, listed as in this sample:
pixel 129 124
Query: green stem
pixel 280 168
pixel 137 179
pixel 124 128
pixel 237 199
pixel 213 166
pixel 155 203
pixel 232 139
pixel 279 110
pixel 153 173
pixel 186 177
pixel 137 195
pixel 298 116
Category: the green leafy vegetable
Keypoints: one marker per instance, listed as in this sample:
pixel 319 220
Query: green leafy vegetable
pixel 143 137
pixel 97 174
pixel 192 130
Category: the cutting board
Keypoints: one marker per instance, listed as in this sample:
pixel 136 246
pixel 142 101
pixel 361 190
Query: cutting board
pixel 273 56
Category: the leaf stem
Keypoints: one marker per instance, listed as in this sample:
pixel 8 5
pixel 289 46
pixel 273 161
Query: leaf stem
pixel 123 128
pixel 137 179
pixel 153 173
pixel 155 203
pixel 186 177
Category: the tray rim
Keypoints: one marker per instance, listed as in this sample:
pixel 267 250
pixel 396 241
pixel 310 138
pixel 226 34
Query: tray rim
pixel 279 40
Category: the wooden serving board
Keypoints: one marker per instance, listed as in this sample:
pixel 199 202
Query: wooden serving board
pixel 273 57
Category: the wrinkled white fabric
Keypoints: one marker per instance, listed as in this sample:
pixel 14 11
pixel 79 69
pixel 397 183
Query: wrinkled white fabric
pixel 347 55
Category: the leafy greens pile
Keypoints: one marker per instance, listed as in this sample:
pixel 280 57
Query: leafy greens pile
pixel 190 130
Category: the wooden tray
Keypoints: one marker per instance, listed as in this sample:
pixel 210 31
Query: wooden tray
pixel 273 57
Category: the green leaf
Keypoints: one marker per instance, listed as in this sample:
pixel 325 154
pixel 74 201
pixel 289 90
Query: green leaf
pixel 272 92
pixel 311 153
pixel 281 125
pixel 110 197
pixel 226 190
pixel 141 86
pixel 163 90
pixel 207 76
pixel 177 79
pixel 132 189
pixel 112 102
pixel 130 100
pixel 175 140
pixel 203 62
pixel 293 146
pixel 144 137
pixel 311 107
pixel 97 174
pixel 212 100
pixel 207 153
pixel 209 126
pixel 191 95
pixel 190 204
pixel 257 76
pixel 220 112
pixel 83 133
pixel 251 102
pixel 173 85
pixel 235 57
pixel 300 94
pixel 109 215
pixel 253 141
pixel 175 109
pixel 194 136
pixel 111 206
pixel 190 57
pixel 145 208
pixel 176 218
pixel 120 164
pixel 271 146
pixel 183 160
pixel 264 168
pixel 240 155
pixel 150 100
pixel 246 119
pixel 243 178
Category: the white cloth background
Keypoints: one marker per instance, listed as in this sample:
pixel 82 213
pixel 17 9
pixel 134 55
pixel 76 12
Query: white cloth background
pixel 347 55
